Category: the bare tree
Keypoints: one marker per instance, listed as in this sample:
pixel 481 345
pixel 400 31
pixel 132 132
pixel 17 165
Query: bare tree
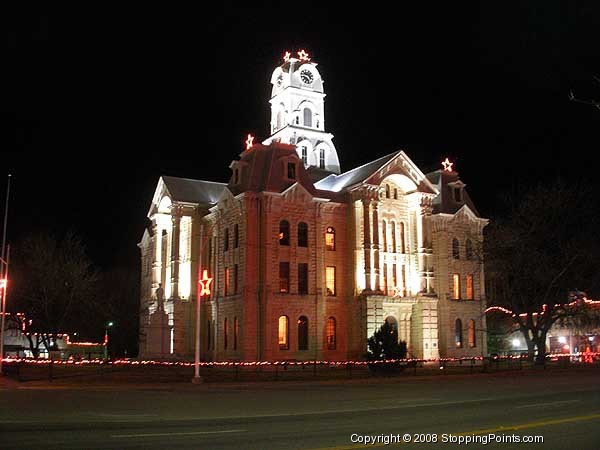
pixel 544 248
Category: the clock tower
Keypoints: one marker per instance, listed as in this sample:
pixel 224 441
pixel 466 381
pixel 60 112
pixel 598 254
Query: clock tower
pixel 298 114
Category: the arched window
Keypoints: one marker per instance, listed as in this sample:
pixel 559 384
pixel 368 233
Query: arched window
pixel 455 250
pixel 458 333
pixel 236 329
pixel 302 333
pixel 225 334
pixel 393 226
pixel 395 194
pixel 468 249
pixel 330 238
pixel 393 324
pixel 284 232
pixel 236 236
pixel 331 333
pixel 284 333
pixel 387 191
pixel 471 333
pixel 402 238
pixel 307 117
pixel 384 235
pixel 302 234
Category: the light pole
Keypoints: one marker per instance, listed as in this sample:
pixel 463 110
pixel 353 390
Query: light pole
pixel 4 275
pixel 108 325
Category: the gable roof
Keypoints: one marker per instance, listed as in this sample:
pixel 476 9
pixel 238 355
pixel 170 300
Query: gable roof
pixel 193 191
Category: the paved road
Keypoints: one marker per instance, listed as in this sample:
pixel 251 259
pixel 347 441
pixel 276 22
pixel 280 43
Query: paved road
pixel 561 406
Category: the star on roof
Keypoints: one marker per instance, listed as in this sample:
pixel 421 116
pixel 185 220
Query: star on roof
pixel 447 165
pixel 303 55
pixel 249 141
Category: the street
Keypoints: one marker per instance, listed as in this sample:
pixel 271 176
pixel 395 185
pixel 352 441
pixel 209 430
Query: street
pixel 562 406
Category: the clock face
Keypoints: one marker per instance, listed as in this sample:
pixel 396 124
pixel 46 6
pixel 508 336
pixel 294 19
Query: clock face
pixel 306 76
pixel 279 80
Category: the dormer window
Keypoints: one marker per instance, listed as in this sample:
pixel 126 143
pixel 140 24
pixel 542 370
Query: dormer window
pixel 291 170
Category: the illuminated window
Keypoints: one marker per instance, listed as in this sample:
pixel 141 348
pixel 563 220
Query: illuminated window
pixel 284 333
pixel 302 278
pixel 330 238
pixel 291 171
pixel 304 152
pixel 284 277
pixel 393 227
pixel 225 334
pixel 456 286
pixel 470 287
pixel 307 117
pixel 284 232
pixel 236 236
pixel 235 278
pixel 387 191
pixel 227 281
pixel 322 158
pixel 458 333
pixel 471 333
pixel 402 238
pixel 468 249
pixel 455 249
pixel 331 333
pixel 226 240
pixel 330 280
pixel 302 333
pixel 235 332
pixel 302 234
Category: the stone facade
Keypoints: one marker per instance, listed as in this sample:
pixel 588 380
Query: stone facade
pixel 306 262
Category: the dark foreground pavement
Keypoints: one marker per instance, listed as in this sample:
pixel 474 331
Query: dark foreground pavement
pixel 563 407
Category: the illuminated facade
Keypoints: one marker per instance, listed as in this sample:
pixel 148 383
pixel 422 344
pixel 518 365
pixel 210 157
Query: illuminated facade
pixel 308 262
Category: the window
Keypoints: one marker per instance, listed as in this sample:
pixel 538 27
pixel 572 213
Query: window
pixel 304 153
pixel 402 238
pixel 393 227
pixel 457 194
pixel 226 240
pixel 236 236
pixel 471 333
pixel 385 278
pixel 302 333
pixel 330 280
pixel 384 235
pixel 395 277
pixel 302 234
pixel 284 232
pixel 331 333
pixel 307 117
pixel 470 287
pixel 387 191
pixel 284 333
pixel 225 334
pixel 291 171
pixel 236 327
pixel 330 238
pixel 404 285
pixel 322 158
pixel 458 333
pixel 455 249
pixel 235 278
pixel 284 277
pixel 395 194
pixel 456 286
pixel 468 249
pixel 227 281
pixel 302 278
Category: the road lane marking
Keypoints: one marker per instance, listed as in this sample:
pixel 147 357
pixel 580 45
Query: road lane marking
pixel 560 402
pixel 183 433
pixel 523 426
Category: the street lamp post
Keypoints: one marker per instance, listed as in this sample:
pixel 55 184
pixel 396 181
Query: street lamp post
pixel 108 325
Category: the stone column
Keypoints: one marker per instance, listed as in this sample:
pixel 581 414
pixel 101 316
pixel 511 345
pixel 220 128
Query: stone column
pixel 176 219
pixel 367 242
pixel 156 242
pixel 376 245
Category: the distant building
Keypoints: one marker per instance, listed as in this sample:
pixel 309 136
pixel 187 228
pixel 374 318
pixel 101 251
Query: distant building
pixel 307 262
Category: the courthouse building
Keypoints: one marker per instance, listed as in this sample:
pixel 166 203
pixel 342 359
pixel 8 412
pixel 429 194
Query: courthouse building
pixel 307 261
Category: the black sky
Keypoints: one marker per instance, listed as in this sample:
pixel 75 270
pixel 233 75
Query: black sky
pixel 98 103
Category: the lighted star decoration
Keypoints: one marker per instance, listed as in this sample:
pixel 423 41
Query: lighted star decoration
pixel 249 141
pixel 447 165
pixel 303 55
pixel 286 57
pixel 205 283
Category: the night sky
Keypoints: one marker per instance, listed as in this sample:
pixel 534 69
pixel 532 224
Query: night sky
pixel 98 103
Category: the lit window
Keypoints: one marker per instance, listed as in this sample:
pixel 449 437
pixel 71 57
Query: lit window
pixel 455 249
pixel 471 333
pixel 227 281
pixel 331 332
pixel 302 278
pixel 225 334
pixel 226 240
pixel 291 171
pixel 302 333
pixel 322 158
pixel 330 238
pixel 458 333
pixel 284 333
pixel 456 286
pixel 302 234
pixel 330 280
pixel 284 277
pixel 468 249
pixel 470 287
pixel 284 232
